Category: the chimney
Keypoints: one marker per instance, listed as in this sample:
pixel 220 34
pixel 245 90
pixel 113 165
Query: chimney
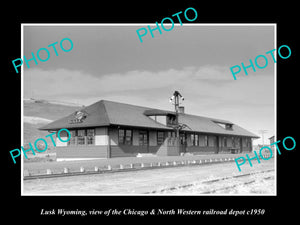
pixel 181 109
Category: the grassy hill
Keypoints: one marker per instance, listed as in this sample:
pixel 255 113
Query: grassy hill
pixel 47 110
pixel 40 112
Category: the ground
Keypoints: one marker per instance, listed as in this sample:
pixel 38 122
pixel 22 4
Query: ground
pixel 157 180
pixel 40 167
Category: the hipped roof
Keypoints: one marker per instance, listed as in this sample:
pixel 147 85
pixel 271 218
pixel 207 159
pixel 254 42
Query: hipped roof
pixel 106 113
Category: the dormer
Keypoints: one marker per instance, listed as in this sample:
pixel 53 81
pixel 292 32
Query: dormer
pixel 224 124
pixel 228 126
pixel 166 118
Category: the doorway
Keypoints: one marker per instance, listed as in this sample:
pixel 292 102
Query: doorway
pixel 144 141
pixel 182 142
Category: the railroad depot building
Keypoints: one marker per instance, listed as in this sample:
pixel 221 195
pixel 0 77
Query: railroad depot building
pixel 109 129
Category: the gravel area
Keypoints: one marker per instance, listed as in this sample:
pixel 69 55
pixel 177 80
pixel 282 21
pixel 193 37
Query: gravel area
pixel 74 166
pixel 147 181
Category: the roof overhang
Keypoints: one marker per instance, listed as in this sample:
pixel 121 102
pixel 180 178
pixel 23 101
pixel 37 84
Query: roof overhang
pixel 158 112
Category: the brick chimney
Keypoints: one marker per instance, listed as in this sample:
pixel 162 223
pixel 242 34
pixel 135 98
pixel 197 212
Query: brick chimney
pixel 181 109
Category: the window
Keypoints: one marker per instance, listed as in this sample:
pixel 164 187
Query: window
pixel 205 140
pixel 125 137
pixel 225 141
pixel 182 137
pixel 248 140
pixel 160 137
pixel 196 143
pixel 233 142
pixel 228 126
pixel 171 134
pixel 90 136
pixel 224 125
pixel 128 137
pixel 237 142
pixel 143 138
pixel 81 137
pixel 195 139
pixel 171 138
pixel 171 120
pixel 121 136
pixel 72 140
pixel 212 141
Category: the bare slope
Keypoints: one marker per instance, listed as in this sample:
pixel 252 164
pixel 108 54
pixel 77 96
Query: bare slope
pixel 40 112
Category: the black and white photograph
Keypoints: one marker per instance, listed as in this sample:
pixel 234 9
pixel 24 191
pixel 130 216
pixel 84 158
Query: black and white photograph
pixel 148 112
pixel 160 117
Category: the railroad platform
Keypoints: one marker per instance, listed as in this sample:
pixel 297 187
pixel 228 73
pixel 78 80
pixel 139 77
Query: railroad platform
pixel 64 168
pixel 215 178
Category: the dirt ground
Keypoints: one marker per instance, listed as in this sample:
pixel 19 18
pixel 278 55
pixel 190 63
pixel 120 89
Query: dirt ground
pixel 40 167
pixel 145 181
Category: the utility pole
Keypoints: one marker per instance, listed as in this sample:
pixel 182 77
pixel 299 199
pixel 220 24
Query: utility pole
pixel 262 134
pixel 175 98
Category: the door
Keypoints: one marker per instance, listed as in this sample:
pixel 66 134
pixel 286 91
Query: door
pixel 218 144
pixel 182 142
pixel 241 144
pixel 143 140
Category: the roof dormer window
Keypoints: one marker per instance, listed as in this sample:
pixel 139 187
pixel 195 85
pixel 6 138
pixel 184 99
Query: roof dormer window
pixel 228 126
pixel 224 125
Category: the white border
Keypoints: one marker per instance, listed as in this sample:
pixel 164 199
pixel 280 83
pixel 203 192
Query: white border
pixel 22 106
pixel 275 101
pixel 145 24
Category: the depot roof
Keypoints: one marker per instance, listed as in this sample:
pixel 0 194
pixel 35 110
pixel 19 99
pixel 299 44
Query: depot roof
pixel 106 113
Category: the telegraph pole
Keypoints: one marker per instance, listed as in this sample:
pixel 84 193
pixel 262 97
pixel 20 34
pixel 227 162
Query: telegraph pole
pixel 175 98
pixel 262 134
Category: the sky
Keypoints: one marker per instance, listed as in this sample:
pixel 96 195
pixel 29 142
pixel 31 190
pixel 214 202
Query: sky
pixel 109 62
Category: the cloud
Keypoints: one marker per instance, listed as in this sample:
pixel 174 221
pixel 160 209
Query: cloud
pixel 210 84
pixel 65 82
pixel 208 90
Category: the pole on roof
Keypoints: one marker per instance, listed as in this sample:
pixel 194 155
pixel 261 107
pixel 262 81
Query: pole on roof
pixel 175 98
pixel 262 134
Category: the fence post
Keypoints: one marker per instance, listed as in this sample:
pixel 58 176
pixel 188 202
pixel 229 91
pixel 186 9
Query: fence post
pixel 66 170
pixel 49 171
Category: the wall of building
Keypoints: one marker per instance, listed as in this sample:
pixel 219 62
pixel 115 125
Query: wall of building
pixel 101 136
pixel 135 137
pixel 82 152
pixel 241 145
pixel 117 150
pixel 152 138
pixel 113 136
pixel 99 150
pixel 64 136
pixel 60 143
pixel 201 150
pixel 216 144
pixel 106 145
pixel 132 151
pixel 165 150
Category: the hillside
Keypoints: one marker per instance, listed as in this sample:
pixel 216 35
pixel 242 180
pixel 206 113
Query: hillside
pixel 40 112
pixel 47 110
